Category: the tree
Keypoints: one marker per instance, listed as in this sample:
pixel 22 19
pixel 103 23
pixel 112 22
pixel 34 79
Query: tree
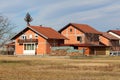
pixel 5 30
pixel 28 19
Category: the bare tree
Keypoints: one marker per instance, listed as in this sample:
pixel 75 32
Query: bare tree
pixel 5 30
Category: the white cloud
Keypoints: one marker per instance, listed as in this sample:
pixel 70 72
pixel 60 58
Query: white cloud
pixel 61 12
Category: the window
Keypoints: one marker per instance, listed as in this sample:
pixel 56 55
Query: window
pixel 29 46
pixel 36 35
pixel 79 38
pixel 30 36
pixel 23 36
pixel 70 30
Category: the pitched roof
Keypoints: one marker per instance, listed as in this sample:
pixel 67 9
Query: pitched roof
pixel 48 32
pixel 45 32
pixel 109 36
pixel 115 31
pixel 82 27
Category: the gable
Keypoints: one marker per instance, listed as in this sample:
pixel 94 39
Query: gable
pixel 27 32
pixel 82 27
pixel 71 30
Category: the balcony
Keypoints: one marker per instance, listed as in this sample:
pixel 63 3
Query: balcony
pixel 21 41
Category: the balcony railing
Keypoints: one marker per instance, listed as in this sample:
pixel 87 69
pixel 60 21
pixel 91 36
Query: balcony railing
pixel 21 41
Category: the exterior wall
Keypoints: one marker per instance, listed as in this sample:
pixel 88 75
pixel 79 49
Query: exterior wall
pixel 86 50
pixel 18 48
pixel 42 46
pixel 72 35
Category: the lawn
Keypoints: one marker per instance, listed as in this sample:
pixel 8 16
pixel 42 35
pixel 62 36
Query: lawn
pixel 58 68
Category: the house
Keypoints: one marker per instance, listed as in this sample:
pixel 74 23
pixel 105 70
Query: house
pixel 37 40
pixel 110 40
pixel 115 33
pixel 84 37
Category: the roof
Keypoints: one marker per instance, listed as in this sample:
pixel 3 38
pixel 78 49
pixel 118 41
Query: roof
pixel 109 36
pixel 115 31
pixel 46 32
pixel 82 27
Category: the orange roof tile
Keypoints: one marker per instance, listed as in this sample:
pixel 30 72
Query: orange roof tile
pixel 82 27
pixel 47 32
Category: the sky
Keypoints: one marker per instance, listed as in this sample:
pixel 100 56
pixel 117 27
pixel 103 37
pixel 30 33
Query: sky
pixel 102 15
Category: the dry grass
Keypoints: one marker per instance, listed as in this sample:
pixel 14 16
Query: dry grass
pixel 54 68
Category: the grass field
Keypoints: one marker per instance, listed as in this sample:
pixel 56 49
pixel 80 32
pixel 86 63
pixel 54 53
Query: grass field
pixel 55 68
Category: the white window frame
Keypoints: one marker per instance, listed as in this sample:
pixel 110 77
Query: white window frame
pixel 27 51
pixel 24 37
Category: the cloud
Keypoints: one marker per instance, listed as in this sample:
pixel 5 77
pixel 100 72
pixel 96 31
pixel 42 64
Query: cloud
pixel 98 13
pixel 57 13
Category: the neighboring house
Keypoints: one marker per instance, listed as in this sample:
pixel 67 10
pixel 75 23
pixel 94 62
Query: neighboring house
pixel 115 33
pixel 110 40
pixel 83 37
pixel 37 40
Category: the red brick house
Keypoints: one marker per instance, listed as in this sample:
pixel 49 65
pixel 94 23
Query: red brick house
pixel 82 36
pixel 37 40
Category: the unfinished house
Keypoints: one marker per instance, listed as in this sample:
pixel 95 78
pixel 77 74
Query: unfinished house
pixel 83 37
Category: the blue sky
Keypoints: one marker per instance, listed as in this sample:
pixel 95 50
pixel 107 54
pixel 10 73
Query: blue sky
pixel 103 15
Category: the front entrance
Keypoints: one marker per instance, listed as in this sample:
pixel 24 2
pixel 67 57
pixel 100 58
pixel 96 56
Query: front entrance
pixel 29 48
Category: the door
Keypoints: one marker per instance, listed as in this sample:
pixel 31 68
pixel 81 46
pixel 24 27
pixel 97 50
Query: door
pixel 29 49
